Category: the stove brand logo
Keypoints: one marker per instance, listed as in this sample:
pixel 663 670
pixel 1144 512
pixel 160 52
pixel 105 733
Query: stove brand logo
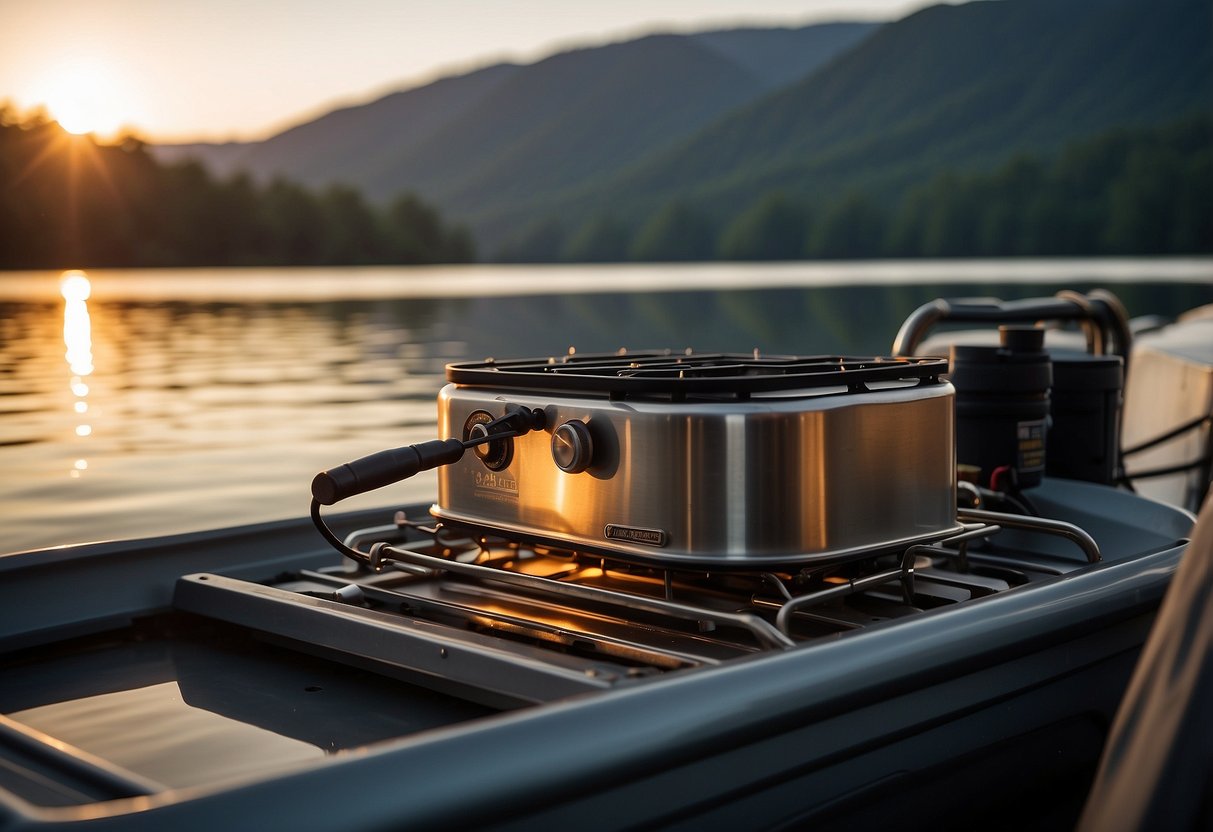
pixel 631 534
pixel 497 481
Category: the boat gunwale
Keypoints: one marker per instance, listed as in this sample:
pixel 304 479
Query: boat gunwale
pixel 746 701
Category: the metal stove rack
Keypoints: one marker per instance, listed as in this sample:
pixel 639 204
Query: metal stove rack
pixel 398 617
pixel 759 628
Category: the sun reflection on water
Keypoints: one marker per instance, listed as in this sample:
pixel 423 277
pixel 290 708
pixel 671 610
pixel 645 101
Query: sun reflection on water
pixel 75 288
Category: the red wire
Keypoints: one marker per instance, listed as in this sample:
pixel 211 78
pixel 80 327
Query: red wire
pixel 997 474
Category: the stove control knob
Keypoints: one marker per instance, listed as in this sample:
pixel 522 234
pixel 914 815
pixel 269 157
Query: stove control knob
pixel 572 447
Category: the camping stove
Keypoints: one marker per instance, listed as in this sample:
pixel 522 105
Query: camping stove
pixel 715 460
pixel 625 515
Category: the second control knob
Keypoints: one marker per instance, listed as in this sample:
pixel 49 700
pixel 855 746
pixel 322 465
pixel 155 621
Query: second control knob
pixel 572 447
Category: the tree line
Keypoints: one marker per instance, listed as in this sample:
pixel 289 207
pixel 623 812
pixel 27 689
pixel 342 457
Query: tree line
pixel 1145 192
pixel 69 202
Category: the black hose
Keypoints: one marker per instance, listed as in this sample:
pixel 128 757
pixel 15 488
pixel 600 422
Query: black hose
pixel 327 533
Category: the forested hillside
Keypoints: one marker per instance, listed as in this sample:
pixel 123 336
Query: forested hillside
pixel 958 89
pixel 1143 191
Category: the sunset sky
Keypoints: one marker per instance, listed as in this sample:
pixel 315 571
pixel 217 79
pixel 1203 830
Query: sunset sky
pixel 245 69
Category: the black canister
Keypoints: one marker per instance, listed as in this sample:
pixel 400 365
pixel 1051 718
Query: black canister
pixel 1084 434
pixel 1002 407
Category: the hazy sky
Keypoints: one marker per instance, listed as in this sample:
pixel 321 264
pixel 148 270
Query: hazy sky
pixel 218 69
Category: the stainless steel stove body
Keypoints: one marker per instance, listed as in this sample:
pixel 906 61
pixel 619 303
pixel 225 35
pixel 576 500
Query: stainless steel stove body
pixel 712 460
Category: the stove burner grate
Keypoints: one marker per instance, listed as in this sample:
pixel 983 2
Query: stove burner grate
pixel 678 374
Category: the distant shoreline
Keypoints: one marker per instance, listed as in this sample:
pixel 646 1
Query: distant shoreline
pixel 324 283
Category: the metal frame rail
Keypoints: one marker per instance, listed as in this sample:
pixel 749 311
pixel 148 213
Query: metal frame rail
pixel 507 672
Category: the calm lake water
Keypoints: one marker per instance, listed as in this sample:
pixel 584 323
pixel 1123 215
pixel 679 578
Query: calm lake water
pixel 175 400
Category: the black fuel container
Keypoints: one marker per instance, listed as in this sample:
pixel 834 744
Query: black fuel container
pixel 1002 407
pixel 1084 435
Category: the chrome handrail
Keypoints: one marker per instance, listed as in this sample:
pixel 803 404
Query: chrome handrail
pixel 1059 528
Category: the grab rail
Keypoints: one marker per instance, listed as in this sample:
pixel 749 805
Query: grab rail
pixel 1058 528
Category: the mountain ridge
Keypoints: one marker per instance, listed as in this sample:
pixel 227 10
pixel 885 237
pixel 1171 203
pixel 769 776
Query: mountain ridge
pixel 909 100
pixel 732 66
pixel 610 136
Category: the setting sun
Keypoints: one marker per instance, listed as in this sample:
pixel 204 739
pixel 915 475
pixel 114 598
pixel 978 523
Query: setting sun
pixel 79 117
pixel 83 98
